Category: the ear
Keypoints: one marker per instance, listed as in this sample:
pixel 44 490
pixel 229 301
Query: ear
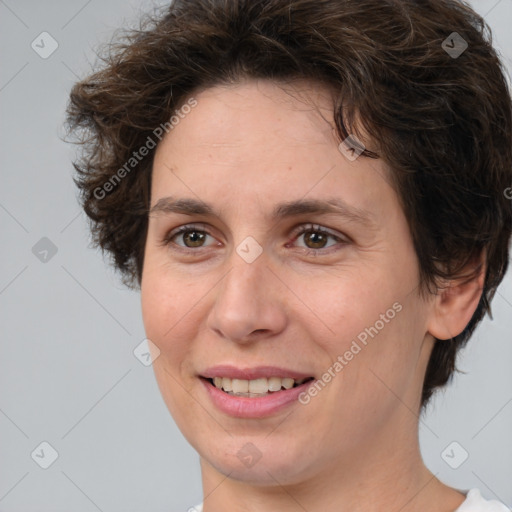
pixel 456 301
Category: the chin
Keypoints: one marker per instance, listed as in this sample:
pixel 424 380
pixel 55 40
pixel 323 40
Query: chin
pixel 258 462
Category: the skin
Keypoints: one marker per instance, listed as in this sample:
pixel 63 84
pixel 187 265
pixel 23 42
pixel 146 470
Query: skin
pixel 353 447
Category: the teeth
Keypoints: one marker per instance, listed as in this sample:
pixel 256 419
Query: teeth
pixel 288 383
pixel 274 384
pixel 255 387
pixel 240 386
pixel 258 386
pixel 226 384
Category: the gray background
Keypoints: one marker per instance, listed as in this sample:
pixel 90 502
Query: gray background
pixel 68 375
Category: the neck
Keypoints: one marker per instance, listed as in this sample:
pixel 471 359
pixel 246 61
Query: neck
pixel 381 476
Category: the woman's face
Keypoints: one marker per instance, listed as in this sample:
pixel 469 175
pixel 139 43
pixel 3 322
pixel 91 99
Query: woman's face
pixel 253 291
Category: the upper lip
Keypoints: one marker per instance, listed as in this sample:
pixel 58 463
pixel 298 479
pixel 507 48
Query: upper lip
pixel 258 372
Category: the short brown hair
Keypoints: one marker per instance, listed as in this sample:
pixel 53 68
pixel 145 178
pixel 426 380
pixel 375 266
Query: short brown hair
pixel 442 122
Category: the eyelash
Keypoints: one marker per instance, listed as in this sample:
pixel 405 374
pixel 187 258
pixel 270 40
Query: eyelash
pixel 310 228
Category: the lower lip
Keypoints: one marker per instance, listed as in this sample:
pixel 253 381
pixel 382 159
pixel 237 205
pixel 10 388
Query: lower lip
pixel 244 407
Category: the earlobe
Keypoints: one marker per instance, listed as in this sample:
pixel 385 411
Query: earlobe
pixel 456 302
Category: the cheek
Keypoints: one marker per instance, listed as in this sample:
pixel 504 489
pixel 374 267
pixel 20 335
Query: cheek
pixel 348 304
pixel 166 309
pixel 370 318
pixel 384 361
pixel 167 313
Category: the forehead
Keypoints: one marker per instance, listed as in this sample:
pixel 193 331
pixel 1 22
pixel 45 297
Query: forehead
pixel 242 113
pixel 264 142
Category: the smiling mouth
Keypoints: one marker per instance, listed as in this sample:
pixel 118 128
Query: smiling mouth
pixel 257 387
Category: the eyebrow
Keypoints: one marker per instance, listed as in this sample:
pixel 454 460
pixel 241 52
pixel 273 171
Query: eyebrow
pixel 335 206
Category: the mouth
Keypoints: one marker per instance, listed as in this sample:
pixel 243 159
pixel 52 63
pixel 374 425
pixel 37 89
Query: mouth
pixel 255 388
pixel 253 393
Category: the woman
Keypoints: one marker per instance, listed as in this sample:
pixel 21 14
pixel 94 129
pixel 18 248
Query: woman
pixel 311 195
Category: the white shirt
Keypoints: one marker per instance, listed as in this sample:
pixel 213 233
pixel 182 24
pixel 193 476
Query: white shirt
pixel 474 503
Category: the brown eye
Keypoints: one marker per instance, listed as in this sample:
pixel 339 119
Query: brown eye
pixel 316 239
pixel 187 237
pixel 193 238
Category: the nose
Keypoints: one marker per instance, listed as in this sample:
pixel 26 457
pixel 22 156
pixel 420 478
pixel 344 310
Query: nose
pixel 248 304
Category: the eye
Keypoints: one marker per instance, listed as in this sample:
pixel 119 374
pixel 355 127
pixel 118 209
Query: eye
pixel 316 239
pixel 192 237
